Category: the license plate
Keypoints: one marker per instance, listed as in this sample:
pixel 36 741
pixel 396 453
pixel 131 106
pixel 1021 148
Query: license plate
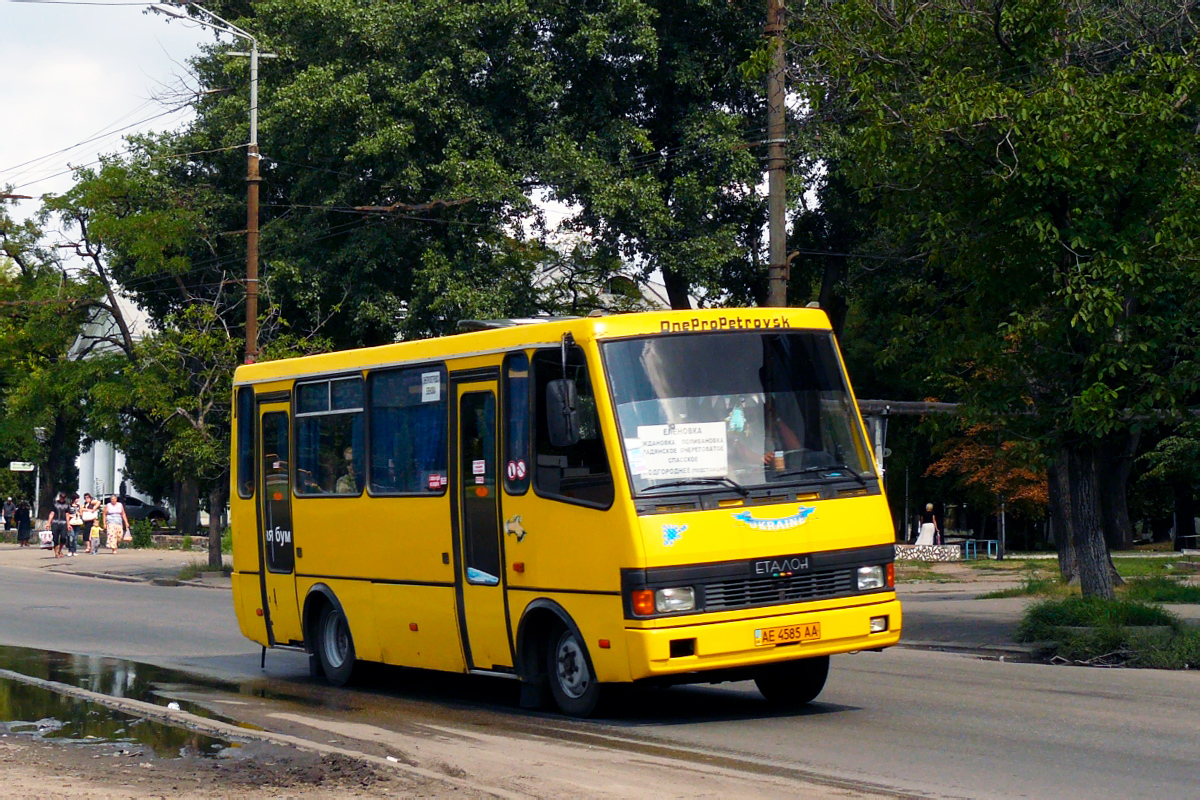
pixel 787 634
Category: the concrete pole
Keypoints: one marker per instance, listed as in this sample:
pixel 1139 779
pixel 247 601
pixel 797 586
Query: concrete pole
pixel 1001 543
pixel 252 181
pixel 776 158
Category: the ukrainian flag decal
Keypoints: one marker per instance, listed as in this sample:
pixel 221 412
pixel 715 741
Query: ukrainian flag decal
pixel 781 524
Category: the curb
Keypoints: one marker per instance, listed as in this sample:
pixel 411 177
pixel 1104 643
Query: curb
pixel 109 576
pixel 1019 652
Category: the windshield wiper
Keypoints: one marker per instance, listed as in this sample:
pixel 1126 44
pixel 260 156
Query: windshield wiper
pixel 826 468
pixel 732 484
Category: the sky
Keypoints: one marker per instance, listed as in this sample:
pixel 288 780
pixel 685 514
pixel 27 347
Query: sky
pixel 76 77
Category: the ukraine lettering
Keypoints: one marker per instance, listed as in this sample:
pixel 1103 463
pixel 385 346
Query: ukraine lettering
pixel 780 524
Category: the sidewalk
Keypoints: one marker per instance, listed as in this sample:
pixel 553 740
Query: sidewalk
pixel 160 567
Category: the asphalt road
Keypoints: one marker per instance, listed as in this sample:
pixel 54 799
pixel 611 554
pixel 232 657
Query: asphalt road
pixel 911 721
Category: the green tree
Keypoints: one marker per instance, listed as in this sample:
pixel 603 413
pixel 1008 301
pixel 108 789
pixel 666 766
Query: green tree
pixel 1040 159
pixel 42 306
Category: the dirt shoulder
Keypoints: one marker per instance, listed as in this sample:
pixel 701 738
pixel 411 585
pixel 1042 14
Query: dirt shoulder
pixel 33 767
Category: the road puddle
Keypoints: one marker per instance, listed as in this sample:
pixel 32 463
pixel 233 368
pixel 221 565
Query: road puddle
pixel 112 676
pixel 45 714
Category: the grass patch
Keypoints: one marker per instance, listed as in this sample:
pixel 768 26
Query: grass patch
pixel 1043 619
pixel 1161 589
pixel 1149 567
pixel 1096 632
pixel 1031 585
pixel 1007 565
pixel 197 568
pixel 912 572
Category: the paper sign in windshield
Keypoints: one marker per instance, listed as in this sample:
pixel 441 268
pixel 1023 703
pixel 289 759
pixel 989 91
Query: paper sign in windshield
pixel 692 450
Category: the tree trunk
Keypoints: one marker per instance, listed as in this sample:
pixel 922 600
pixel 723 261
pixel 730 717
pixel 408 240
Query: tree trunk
pixel 677 289
pixel 1086 522
pixel 216 520
pixel 1116 462
pixel 1185 516
pixel 831 299
pixel 1060 521
pixel 1160 529
pixel 188 510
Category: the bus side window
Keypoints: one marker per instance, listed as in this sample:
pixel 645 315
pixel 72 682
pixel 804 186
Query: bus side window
pixel 329 437
pixel 516 423
pixel 580 472
pixel 245 441
pixel 409 413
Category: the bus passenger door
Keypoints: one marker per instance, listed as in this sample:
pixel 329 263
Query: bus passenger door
pixel 483 616
pixel 276 548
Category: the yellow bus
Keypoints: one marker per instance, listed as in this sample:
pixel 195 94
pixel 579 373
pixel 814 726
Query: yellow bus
pixel 671 497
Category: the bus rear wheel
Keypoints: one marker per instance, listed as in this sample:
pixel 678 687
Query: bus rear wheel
pixel 573 682
pixel 792 684
pixel 334 646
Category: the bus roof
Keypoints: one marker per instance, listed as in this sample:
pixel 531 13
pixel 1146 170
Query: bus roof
pixel 506 335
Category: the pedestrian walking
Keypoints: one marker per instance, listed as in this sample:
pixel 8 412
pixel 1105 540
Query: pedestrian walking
pixel 115 523
pixel 24 522
pixel 10 513
pixel 60 513
pixel 74 525
pixel 89 512
pixel 929 526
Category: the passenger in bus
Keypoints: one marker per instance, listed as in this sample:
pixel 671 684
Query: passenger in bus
pixel 328 472
pixel 348 483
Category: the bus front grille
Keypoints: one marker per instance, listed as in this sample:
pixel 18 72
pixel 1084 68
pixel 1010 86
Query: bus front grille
pixel 748 592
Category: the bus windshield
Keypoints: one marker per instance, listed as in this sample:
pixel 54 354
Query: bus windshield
pixel 739 409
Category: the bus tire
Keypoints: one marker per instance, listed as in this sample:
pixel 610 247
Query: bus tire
pixel 792 684
pixel 335 646
pixel 570 674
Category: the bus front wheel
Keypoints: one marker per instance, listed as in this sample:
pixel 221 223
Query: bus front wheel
pixel 793 683
pixel 572 679
pixel 335 647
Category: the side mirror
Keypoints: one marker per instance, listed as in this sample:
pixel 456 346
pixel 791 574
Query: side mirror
pixel 562 412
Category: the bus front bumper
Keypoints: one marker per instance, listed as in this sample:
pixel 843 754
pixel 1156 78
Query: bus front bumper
pixel 735 645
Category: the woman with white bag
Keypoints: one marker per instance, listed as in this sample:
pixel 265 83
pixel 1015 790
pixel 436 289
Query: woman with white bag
pixel 88 513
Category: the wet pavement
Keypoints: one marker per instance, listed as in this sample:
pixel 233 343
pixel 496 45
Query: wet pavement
pixel 34 711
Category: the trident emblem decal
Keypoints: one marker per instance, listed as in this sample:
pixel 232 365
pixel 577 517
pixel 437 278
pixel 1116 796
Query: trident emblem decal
pixel 513 528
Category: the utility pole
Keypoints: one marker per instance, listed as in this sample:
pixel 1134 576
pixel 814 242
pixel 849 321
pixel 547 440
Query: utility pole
pixel 216 23
pixel 777 269
pixel 252 181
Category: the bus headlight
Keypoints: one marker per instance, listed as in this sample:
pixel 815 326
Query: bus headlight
pixel 870 578
pixel 680 598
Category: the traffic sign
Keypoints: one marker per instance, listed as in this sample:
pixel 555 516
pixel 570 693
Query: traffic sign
pixel 20 466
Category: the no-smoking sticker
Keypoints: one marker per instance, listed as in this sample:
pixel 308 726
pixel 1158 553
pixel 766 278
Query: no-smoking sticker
pixel 515 470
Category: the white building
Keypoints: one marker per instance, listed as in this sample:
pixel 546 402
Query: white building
pixel 102 466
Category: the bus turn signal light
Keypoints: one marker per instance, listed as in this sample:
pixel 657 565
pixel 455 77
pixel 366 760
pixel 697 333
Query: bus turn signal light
pixel 891 575
pixel 412 626
pixel 518 566
pixel 643 602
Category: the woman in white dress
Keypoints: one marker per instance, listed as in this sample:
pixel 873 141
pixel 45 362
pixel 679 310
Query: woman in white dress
pixel 928 526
